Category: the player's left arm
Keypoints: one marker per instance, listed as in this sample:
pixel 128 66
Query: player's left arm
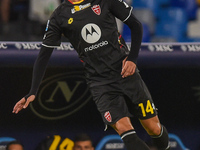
pixel 123 11
pixel 129 64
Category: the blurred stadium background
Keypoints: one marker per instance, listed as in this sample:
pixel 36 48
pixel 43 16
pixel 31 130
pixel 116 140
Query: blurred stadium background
pixel 169 63
pixel 163 20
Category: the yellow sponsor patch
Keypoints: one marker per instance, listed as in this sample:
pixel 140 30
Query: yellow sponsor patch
pixel 70 20
pixel 80 7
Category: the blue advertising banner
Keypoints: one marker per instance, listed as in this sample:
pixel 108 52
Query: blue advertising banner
pixel 151 54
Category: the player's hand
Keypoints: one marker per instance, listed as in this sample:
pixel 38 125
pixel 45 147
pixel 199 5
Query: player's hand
pixel 128 68
pixel 23 103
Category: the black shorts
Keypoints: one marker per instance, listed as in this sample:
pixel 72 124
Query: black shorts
pixel 125 98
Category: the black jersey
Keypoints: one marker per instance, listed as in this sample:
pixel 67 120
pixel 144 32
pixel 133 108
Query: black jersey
pixel 91 28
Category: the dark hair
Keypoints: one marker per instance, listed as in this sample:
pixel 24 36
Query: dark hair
pixel 14 142
pixel 82 137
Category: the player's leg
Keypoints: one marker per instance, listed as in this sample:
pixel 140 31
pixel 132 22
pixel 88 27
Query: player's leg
pixel 157 131
pixel 143 107
pixel 112 106
pixel 125 129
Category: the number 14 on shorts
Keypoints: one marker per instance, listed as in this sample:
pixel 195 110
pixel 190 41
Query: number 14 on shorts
pixel 149 108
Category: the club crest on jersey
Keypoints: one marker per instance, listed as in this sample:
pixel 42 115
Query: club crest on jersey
pixel 96 9
pixel 107 116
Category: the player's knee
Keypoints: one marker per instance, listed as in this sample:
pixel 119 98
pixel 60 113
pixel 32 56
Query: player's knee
pixel 121 128
pixel 123 125
pixel 154 131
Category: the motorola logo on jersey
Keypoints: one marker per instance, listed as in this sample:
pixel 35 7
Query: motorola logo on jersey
pixel 61 95
pixel 91 33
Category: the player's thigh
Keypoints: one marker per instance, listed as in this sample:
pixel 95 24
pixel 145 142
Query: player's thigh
pixel 139 99
pixel 110 103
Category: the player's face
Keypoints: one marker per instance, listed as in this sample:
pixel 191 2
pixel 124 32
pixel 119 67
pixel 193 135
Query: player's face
pixel 83 145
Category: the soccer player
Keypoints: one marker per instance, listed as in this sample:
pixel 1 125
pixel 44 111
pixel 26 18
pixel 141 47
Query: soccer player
pixel 110 68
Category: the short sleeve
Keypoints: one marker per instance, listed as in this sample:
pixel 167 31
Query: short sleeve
pixel 52 36
pixel 120 9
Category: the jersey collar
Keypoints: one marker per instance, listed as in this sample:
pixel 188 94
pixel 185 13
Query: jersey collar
pixel 76 2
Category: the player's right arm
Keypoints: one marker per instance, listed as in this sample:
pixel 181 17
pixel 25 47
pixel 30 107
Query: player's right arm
pixel 38 73
pixel 51 40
